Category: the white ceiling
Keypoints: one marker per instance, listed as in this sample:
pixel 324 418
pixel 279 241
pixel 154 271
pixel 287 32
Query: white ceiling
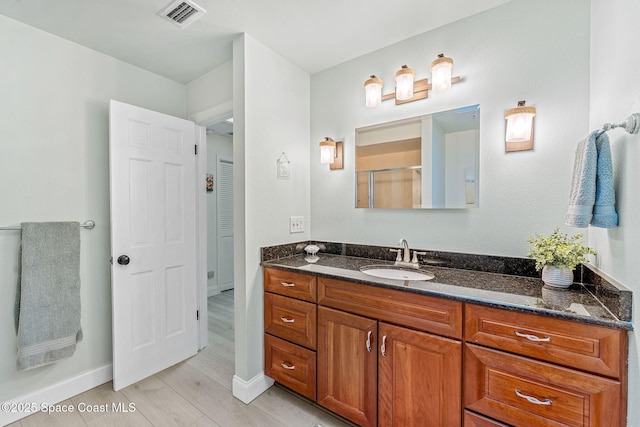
pixel 312 34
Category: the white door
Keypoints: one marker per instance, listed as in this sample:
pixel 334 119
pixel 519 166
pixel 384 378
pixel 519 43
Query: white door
pixel 224 221
pixel 153 241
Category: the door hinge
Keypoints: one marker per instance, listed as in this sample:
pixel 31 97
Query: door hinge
pixel 197 314
pixel 195 149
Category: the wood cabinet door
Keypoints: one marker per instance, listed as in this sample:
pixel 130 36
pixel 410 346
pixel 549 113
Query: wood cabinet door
pixel 575 345
pixel 524 392
pixel 475 420
pixel 419 378
pixel 291 365
pixel 290 319
pixel 290 284
pixel 347 365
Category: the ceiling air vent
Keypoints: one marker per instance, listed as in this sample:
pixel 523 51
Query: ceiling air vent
pixel 182 13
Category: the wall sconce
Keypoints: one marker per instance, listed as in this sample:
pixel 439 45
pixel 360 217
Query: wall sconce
pixel 519 132
pixel 331 153
pixel 407 88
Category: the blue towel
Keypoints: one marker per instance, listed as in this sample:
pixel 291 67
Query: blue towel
pixel 48 293
pixel 583 184
pixel 604 210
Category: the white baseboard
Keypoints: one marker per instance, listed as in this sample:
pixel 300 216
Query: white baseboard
pixel 57 393
pixel 246 391
pixel 212 290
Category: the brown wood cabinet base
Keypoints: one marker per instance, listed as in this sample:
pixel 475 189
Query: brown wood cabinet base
pixel 386 357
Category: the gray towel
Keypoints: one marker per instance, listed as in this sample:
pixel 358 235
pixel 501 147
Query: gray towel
pixel 583 184
pixel 48 293
pixel 604 210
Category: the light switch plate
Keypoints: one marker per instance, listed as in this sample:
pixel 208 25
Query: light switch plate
pixel 296 224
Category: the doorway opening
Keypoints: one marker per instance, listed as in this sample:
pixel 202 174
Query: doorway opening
pixel 219 206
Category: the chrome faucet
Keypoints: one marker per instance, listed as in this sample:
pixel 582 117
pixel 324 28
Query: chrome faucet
pixel 404 256
pixel 406 252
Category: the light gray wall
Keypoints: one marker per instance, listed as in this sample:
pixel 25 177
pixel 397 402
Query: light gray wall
pixel 54 167
pixel 615 93
pixel 537 51
pixel 269 119
pixel 210 89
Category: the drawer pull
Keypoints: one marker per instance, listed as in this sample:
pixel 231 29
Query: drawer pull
pixel 531 399
pixel 383 347
pixel 369 342
pixel 287 285
pixel 533 337
pixel 286 365
pixel 285 320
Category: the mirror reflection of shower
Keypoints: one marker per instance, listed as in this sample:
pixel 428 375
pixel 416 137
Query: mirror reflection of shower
pixel 425 162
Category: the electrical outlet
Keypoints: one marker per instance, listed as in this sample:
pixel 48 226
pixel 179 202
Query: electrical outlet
pixel 296 224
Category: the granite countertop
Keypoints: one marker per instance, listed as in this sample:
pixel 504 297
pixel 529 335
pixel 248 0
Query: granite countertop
pixel 506 291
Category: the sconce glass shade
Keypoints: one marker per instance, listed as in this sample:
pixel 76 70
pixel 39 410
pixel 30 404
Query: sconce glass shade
pixel 441 73
pixel 519 121
pixel 404 83
pixel 327 151
pixel 373 90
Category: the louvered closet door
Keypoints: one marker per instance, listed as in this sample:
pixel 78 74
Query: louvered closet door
pixel 225 222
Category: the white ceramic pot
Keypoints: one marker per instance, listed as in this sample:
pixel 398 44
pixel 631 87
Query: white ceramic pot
pixel 559 277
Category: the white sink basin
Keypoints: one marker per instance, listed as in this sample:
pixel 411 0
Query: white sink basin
pixel 396 273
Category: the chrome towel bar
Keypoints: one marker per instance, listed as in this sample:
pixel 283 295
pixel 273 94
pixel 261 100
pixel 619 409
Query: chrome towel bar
pixel 88 224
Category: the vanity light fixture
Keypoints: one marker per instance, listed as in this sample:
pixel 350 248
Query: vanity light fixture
pixel 407 88
pixel 441 73
pixel 331 153
pixel 404 83
pixel 519 133
pixel 373 90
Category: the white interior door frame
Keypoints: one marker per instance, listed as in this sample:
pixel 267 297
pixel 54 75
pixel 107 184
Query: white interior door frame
pixel 202 119
pixel 201 235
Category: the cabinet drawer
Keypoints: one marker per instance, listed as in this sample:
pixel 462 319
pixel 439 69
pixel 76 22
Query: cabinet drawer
pixel 525 392
pixel 586 347
pixel 290 319
pixel 436 315
pixel 475 420
pixel 295 285
pixel 290 365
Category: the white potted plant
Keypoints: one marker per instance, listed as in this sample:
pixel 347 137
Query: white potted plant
pixel 557 255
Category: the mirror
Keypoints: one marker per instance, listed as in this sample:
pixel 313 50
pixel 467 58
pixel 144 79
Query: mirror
pixel 425 162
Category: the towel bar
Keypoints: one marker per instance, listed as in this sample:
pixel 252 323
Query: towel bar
pixel 631 124
pixel 88 224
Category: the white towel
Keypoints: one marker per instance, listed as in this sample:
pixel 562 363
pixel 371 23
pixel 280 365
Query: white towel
pixel 48 293
pixel 583 183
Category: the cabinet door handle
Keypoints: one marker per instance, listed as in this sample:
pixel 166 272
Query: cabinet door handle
pixel 533 337
pixel 285 320
pixel 383 347
pixel 369 342
pixel 531 399
pixel 287 285
pixel 286 365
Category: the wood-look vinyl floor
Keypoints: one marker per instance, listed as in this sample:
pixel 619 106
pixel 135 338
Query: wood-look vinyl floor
pixel 196 392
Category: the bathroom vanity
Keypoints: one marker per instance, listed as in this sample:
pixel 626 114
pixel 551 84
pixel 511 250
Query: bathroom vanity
pixel 472 348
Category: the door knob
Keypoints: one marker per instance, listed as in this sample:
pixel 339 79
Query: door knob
pixel 123 260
